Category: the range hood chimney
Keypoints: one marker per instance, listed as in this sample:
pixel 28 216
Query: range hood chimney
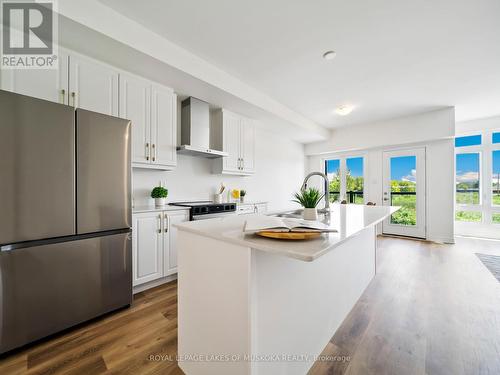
pixel 195 130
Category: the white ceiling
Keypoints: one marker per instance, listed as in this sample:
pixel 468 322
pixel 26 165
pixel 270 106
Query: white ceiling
pixel 394 57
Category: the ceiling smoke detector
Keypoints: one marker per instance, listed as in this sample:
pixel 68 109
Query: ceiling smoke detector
pixel 344 110
pixel 329 55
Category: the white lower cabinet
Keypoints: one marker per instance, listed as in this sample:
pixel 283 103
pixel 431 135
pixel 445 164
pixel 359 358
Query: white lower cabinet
pixel 154 250
pixel 251 208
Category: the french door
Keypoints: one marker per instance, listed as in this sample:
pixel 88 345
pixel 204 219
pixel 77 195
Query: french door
pixel 404 186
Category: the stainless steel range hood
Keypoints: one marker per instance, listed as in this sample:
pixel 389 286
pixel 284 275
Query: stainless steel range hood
pixel 195 130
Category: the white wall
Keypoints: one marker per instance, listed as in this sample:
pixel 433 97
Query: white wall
pixel 280 166
pixel 490 123
pixel 440 161
pixel 422 127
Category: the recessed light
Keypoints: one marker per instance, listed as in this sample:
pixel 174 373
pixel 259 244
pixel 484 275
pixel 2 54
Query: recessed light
pixel 329 55
pixel 344 110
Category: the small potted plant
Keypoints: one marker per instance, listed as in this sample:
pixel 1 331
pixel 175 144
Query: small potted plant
pixel 309 199
pixel 160 194
pixel 242 195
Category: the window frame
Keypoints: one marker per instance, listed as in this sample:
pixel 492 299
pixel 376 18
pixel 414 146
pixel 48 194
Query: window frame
pixel 342 157
pixel 485 206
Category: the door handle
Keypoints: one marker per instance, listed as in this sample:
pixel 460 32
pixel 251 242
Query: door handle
pixel 154 151
pixel 147 151
pixel 73 96
pixel 386 199
pixel 167 223
pixel 159 224
pixel 242 164
pixel 63 94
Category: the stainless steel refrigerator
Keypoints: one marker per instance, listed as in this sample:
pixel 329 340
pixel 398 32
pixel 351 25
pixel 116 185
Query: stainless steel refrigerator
pixel 65 217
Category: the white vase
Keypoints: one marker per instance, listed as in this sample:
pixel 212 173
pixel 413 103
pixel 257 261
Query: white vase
pixel 310 214
pixel 160 202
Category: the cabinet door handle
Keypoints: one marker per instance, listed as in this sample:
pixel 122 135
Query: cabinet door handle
pixel 63 94
pixel 242 164
pixel 147 151
pixel 159 223
pixel 154 151
pixel 167 223
pixel 73 96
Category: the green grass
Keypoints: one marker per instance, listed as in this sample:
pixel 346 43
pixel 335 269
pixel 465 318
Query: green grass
pixel 469 216
pixel 407 215
pixel 495 218
pixel 467 198
pixel 496 199
pixel 473 198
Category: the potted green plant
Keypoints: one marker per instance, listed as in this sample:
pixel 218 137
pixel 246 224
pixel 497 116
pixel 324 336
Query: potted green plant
pixel 242 195
pixel 160 194
pixel 309 199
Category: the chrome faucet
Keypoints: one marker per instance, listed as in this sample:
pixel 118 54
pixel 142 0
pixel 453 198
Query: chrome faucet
pixel 326 209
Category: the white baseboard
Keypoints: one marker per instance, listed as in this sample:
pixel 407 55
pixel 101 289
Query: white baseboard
pixel 154 283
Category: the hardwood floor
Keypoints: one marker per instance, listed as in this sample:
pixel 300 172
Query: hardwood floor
pixel 431 309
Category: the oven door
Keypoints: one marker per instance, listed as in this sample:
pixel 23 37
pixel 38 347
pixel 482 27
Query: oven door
pixel 213 216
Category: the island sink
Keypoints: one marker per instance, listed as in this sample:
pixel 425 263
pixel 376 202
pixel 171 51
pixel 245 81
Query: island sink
pixel 251 305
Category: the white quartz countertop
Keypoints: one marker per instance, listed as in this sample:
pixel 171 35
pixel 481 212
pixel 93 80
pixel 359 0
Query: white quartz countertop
pixel 347 219
pixel 140 209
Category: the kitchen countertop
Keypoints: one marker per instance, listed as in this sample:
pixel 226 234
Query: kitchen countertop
pixel 347 219
pixel 139 209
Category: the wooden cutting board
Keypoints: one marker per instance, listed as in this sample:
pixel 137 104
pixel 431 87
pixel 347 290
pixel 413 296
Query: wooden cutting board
pixel 289 235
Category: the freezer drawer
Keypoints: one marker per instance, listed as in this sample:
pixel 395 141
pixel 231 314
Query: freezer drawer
pixel 48 288
pixel 37 169
pixel 103 172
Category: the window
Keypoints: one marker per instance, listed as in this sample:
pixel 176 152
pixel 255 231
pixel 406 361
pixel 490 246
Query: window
pixel 403 189
pixel 346 179
pixel 333 172
pixel 495 218
pixel 495 174
pixel 354 180
pixel 495 138
pixel 477 184
pixel 469 140
pixel 467 178
pixel 468 216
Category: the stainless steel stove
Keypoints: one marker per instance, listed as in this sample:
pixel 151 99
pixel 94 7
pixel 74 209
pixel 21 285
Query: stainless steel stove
pixel 203 210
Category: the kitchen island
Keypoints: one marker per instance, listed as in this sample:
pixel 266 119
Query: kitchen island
pixel 251 305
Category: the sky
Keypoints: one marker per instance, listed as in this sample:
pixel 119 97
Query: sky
pixel 467 167
pixel 355 165
pixel 403 168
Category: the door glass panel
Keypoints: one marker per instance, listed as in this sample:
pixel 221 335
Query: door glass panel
pixel 467 178
pixel 468 216
pixel 404 189
pixel 333 173
pixel 496 178
pixel 354 180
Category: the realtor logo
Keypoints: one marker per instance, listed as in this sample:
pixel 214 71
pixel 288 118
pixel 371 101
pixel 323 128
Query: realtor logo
pixel 28 35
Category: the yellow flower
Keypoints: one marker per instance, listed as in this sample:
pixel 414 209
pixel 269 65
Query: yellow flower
pixel 235 193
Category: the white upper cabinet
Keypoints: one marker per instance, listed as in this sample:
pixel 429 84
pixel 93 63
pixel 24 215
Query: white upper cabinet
pixel 231 142
pixel 152 108
pixel 235 135
pixel 44 84
pixel 164 126
pixel 135 105
pixel 93 85
pixel 247 143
